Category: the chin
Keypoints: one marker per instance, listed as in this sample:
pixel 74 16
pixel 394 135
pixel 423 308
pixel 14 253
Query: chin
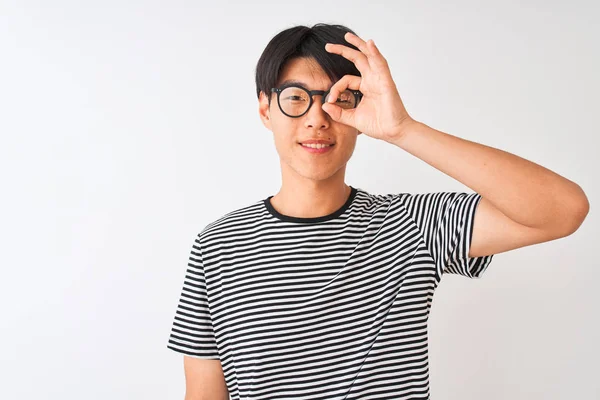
pixel 317 175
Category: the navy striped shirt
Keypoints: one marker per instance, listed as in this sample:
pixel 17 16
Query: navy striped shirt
pixel 332 307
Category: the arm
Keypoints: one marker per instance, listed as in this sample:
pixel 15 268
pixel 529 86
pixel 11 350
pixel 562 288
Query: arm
pixel 204 379
pixel 522 202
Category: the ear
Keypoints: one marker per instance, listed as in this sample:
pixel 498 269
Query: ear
pixel 264 110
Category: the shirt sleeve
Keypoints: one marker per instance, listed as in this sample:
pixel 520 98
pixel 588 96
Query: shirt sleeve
pixel 192 330
pixel 446 222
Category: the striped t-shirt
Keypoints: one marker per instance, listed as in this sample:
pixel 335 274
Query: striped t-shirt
pixel 332 307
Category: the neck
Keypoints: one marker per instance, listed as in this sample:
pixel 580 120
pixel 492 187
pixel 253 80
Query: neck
pixel 307 198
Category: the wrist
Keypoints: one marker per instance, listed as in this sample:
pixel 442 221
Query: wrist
pixel 405 129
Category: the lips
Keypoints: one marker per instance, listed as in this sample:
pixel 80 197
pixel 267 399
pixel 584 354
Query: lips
pixel 316 150
pixel 316 141
pixel 303 145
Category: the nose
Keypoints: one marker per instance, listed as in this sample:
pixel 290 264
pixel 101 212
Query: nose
pixel 316 117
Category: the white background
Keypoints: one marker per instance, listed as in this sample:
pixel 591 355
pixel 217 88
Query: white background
pixel 127 126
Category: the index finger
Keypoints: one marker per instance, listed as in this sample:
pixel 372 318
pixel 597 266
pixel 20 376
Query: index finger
pixel 351 82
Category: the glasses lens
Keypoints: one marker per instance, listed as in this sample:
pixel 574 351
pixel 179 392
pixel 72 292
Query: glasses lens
pixel 294 101
pixel 345 99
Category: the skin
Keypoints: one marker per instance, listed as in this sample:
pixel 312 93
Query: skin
pixel 312 184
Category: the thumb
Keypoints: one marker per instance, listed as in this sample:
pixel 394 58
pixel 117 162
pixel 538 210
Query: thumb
pixel 338 114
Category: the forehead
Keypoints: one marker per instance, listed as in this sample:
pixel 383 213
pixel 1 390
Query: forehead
pixel 305 72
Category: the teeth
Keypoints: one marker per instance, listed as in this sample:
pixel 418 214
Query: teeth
pixel 316 146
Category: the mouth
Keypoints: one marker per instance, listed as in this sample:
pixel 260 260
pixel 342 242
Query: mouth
pixel 317 150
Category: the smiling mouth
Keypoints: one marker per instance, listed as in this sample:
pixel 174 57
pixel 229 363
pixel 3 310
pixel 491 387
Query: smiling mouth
pixel 317 150
pixel 331 145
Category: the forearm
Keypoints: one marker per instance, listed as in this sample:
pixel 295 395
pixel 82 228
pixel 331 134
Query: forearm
pixel 524 191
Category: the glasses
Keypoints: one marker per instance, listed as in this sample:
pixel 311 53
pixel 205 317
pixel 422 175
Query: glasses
pixel 295 100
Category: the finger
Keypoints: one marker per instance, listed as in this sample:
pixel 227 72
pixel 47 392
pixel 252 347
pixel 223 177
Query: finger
pixel 376 56
pixel 358 42
pixel 358 58
pixel 347 82
pixel 339 114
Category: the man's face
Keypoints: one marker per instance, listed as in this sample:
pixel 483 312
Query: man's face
pixel 315 124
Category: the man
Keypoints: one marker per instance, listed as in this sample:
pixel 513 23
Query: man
pixel 323 291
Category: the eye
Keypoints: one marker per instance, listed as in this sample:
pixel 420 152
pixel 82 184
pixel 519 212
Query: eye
pixel 295 98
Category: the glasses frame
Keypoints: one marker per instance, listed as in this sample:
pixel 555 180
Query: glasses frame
pixel 357 96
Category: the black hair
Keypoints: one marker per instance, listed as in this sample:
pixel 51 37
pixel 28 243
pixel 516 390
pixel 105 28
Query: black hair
pixel 303 41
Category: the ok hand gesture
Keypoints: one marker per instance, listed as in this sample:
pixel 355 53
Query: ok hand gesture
pixel 380 113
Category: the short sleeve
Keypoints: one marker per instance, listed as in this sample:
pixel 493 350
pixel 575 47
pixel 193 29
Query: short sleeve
pixel 446 222
pixel 192 330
